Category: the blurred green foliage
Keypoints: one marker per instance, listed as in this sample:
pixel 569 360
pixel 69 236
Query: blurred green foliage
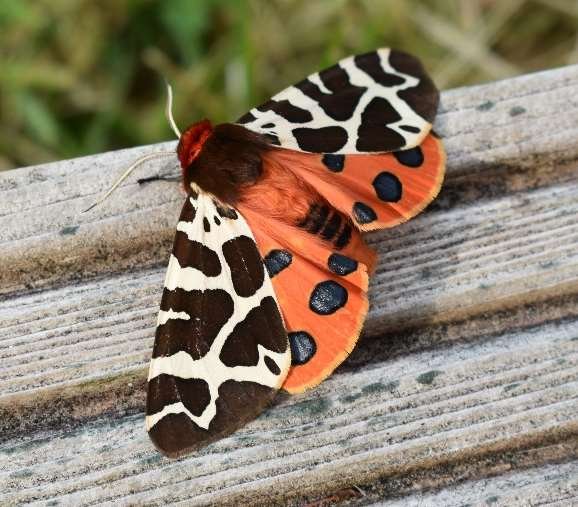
pixel 83 76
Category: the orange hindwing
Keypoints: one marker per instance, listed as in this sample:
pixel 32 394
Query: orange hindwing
pixel 306 214
pixel 376 191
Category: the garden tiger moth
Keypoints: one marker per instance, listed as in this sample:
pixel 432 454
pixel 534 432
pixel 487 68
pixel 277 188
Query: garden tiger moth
pixel 267 282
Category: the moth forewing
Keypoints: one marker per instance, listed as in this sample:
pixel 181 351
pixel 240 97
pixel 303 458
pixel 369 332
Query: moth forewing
pixel 221 349
pixel 376 102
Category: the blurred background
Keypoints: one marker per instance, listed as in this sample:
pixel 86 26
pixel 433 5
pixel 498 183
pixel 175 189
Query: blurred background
pixel 83 76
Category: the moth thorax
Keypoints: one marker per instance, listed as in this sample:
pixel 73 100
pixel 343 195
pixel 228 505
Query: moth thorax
pixel 192 141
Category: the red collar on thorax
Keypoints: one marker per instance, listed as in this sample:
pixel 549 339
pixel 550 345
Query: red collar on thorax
pixel 192 141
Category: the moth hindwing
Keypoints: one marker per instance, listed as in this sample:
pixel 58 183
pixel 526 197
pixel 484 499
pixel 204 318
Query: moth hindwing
pixel 221 350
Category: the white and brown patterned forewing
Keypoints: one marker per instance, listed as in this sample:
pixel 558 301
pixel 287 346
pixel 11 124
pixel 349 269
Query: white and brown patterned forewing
pixel 221 349
pixel 376 102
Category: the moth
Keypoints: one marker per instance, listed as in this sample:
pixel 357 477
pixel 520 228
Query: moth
pixel 266 286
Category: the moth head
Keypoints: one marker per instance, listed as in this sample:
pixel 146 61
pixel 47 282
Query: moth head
pixel 191 142
pixel 220 160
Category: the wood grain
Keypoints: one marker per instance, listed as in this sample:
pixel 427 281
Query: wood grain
pixel 470 351
pixel 549 485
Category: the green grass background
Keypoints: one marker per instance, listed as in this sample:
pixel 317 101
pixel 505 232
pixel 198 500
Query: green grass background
pixel 83 76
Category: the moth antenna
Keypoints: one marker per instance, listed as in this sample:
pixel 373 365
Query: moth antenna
pixel 169 110
pixel 130 169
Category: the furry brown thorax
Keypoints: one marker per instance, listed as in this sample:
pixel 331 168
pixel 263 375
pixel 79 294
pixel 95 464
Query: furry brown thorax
pixel 220 160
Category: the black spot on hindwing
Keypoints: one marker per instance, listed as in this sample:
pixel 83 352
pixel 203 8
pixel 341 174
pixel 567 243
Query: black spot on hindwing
pixel 387 187
pixel 303 347
pixel 341 264
pixel 206 225
pixel 247 271
pixel 262 326
pixel 410 158
pixel 333 162
pixel 363 213
pixel 276 261
pixel 328 297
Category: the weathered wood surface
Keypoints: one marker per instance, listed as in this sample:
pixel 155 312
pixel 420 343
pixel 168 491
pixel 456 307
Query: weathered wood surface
pixel 468 370
pixel 548 485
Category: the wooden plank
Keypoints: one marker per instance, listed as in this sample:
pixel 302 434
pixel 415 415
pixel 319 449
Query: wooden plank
pixel 533 476
pixel 551 485
pixel 470 349
pixel 419 411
